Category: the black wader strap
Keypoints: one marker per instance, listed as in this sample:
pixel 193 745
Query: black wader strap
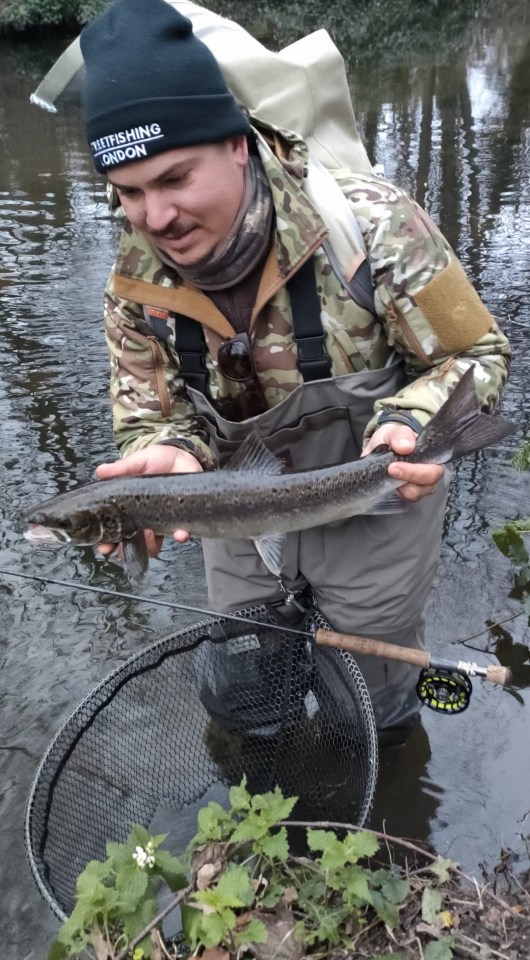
pixel 361 287
pixel 191 348
pixel 313 361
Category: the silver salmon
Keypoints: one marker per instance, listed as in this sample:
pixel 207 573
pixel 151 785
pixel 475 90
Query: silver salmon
pixel 253 499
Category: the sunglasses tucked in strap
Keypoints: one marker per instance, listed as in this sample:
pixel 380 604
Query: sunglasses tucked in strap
pixel 236 363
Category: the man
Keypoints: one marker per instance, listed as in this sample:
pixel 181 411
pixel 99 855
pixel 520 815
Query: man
pixel 224 314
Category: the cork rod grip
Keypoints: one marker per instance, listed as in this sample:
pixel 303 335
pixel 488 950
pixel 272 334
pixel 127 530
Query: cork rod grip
pixel 372 648
pixel 497 674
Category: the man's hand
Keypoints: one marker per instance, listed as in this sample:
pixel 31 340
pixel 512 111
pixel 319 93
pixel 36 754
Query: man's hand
pixel 156 459
pixel 419 479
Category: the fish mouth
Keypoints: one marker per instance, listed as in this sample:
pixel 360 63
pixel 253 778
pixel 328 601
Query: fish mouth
pixel 37 533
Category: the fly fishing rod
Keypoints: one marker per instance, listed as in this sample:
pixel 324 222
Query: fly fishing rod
pixel 444 685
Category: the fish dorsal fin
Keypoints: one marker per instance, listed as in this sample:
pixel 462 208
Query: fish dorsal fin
pixel 254 456
pixel 270 550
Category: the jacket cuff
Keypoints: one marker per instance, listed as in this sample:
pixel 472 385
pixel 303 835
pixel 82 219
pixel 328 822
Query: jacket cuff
pixel 399 416
pixel 198 448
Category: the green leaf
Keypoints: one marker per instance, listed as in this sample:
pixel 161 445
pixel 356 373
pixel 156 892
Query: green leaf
pixel 438 950
pixel 235 888
pixel 321 839
pixel 134 923
pixel 362 844
pixel 521 461
pixel 390 956
pixel 312 890
pixel 276 846
pixel 272 895
pixel 253 932
pixel 58 951
pixel 252 828
pixel 191 923
pixel 240 797
pixel 213 929
pixel 353 882
pixel 431 904
pixel 158 839
pixel 442 868
pixel 209 826
pixel 131 884
pixel 170 868
pixel 395 889
pixel 119 853
pixel 139 836
pixel 89 881
pixel 273 806
pixel 329 930
pixel 388 912
pixel 510 542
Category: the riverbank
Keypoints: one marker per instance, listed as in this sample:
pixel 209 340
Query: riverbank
pixel 391 28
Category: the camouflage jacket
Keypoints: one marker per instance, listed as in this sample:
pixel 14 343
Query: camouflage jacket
pixel 426 310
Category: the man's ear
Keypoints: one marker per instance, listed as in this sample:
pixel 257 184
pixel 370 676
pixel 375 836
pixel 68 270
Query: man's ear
pixel 240 147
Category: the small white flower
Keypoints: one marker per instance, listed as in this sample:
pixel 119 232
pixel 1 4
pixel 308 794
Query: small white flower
pixel 144 858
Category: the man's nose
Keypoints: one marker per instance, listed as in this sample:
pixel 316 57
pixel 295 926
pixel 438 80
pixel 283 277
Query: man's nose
pixel 158 212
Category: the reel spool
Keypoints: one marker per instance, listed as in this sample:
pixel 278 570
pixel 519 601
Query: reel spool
pixel 445 691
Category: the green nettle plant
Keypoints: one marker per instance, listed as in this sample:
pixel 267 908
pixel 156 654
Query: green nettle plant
pixel 242 892
pixel 509 539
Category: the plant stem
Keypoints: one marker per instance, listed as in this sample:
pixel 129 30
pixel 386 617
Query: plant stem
pixel 155 921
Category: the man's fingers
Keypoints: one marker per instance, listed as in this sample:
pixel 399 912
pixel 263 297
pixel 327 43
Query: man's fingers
pixel 153 542
pixel 181 536
pixel 413 491
pixel 106 549
pixel 422 474
pixel 118 468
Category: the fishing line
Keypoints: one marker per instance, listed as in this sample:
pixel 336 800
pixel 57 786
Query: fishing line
pixel 442 685
pixel 202 610
pixel 162 603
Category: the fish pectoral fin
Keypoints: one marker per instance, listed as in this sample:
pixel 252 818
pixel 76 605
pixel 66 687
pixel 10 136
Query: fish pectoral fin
pixel 253 455
pixel 270 550
pixel 136 556
pixel 392 503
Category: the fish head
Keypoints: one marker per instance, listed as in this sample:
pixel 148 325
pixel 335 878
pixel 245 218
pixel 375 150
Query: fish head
pixel 51 525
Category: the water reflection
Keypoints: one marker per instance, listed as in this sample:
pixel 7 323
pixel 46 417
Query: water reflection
pixel 455 132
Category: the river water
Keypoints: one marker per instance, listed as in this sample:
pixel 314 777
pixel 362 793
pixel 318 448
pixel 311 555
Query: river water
pixel 455 131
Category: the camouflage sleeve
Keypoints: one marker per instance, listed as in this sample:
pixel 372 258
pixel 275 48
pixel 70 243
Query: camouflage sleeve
pixel 431 313
pixel 148 395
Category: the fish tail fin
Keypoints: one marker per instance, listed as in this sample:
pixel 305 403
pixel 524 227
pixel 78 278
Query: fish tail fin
pixel 459 427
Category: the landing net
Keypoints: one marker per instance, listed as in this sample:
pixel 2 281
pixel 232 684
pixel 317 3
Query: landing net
pixel 176 725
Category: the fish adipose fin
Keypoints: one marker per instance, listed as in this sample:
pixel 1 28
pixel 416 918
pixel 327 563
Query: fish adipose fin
pixel 254 456
pixel 135 556
pixel 459 427
pixel 270 550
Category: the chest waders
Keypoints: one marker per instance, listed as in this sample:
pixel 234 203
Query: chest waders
pixel 369 575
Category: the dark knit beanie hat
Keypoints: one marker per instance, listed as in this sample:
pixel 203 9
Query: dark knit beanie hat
pixel 151 85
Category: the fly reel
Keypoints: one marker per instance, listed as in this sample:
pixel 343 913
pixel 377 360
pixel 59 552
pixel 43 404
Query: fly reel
pixel 446 691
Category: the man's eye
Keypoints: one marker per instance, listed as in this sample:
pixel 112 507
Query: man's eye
pixel 127 192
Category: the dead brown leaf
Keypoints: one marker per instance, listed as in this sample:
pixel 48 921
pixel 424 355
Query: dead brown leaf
pixel 281 943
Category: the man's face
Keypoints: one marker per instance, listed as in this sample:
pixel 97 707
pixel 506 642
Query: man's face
pixel 186 199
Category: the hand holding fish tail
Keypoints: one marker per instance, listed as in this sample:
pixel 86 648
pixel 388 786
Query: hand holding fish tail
pixel 419 479
pixel 156 459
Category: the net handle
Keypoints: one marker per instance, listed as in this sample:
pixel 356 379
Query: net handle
pixel 495 673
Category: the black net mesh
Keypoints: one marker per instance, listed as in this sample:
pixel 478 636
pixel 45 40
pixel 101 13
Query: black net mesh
pixel 174 726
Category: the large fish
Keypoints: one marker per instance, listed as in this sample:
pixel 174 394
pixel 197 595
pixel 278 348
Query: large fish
pixel 253 498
